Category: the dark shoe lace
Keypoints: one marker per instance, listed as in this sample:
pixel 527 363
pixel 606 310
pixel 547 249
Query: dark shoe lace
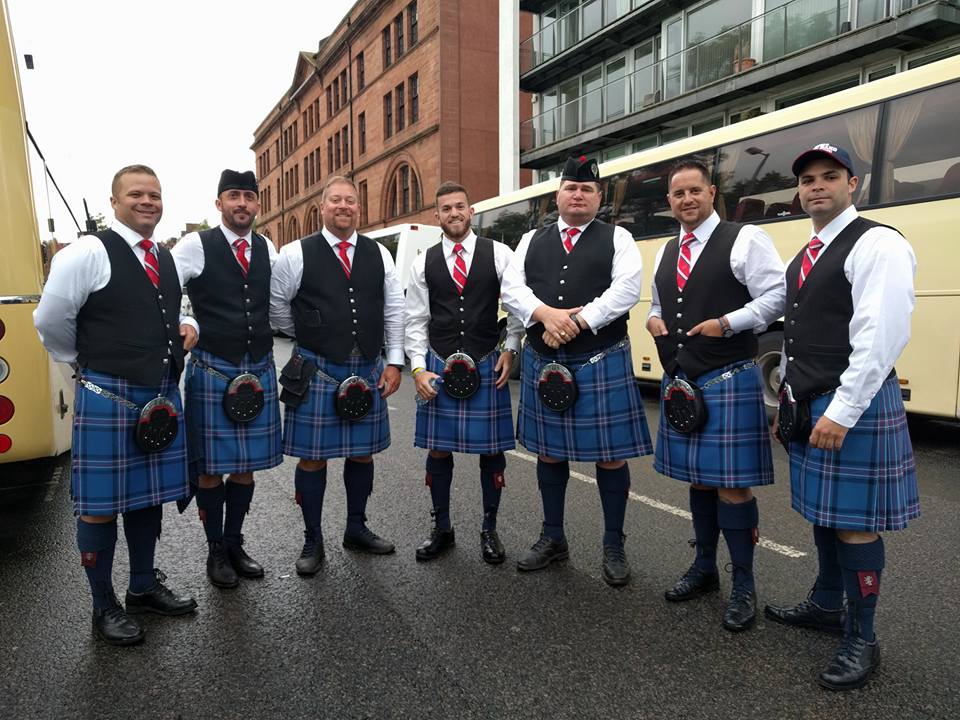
pixel 614 553
pixel 542 544
pixel 309 544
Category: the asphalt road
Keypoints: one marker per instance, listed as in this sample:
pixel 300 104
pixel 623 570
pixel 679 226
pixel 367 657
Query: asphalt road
pixel 386 637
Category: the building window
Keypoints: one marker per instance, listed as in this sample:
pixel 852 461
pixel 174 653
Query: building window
pixel 361 76
pixel 403 192
pixel 364 215
pixel 414 22
pixel 362 129
pixel 388 115
pixel 345 139
pixel 343 88
pixel 387 52
pixel 329 102
pixel 336 94
pixel 413 88
pixel 401 108
pixel 329 156
pixel 398 27
pixel 336 148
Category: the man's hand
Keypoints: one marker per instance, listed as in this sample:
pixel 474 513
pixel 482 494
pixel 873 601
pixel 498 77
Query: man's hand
pixel 775 428
pixel 422 382
pixel 503 366
pixel 558 323
pixel 656 326
pixel 551 340
pixel 389 381
pixel 827 435
pixel 189 335
pixel 710 328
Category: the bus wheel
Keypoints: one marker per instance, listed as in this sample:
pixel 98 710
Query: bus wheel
pixel 768 360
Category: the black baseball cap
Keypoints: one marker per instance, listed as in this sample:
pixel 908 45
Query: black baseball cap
pixel 827 150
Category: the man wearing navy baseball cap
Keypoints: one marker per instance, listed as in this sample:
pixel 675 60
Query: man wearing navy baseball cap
pixel 841 417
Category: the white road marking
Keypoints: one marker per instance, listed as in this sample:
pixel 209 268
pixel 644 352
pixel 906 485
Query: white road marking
pixel 785 550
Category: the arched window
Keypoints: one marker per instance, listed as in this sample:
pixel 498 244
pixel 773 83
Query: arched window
pixel 293 230
pixel 312 223
pixel 403 192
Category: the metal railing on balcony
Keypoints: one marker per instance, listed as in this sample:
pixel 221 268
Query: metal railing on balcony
pixel 794 26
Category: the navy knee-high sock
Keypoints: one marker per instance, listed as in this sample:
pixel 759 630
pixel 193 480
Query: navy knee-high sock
pixel 439 477
pixel 358 481
pixel 738 522
pixel 706 530
pixel 614 486
pixel 491 485
pixel 552 480
pixel 210 508
pixel 96 542
pixel 828 592
pixel 862 565
pixel 142 528
pixel 238 499
pixel 310 486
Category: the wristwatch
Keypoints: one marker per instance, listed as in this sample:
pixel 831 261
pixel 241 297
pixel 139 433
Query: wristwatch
pixel 725 327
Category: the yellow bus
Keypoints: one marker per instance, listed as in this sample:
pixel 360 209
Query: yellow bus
pixel 902 134
pixel 36 395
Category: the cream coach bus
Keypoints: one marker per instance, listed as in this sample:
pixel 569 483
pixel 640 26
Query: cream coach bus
pixel 901 132
pixel 36 394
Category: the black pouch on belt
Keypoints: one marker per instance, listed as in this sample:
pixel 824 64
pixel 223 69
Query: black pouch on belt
pixel 295 380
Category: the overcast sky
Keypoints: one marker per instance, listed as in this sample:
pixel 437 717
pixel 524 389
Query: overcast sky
pixel 177 85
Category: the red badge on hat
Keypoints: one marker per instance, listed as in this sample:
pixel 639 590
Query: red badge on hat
pixel 88 559
pixel 869 583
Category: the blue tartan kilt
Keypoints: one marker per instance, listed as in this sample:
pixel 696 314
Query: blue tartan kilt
pixel 481 424
pixel 314 431
pixel 732 449
pixel 870 484
pixel 217 444
pixel 606 423
pixel 109 473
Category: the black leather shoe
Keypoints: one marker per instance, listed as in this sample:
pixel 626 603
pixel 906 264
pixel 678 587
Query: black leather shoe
pixel 694 583
pixel 491 549
pixel 741 610
pixel 219 569
pixel 807 614
pixel 367 541
pixel 159 599
pixel 439 542
pixel 616 569
pixel 244 565
pixel 852 666
pixel 113 625
pixel 545 551
pixel 312 556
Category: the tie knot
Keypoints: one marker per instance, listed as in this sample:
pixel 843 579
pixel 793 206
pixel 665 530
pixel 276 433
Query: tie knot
pixel 458 248
pixel 240 243
pixel 816 244
pixel 572 232
pixel 343 244
pixel 146 244
pixel 688 238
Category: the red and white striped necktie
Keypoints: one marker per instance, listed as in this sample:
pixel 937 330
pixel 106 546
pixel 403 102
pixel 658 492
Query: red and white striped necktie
pixel 151 264
pixel 571 233
pixel 240 244
pixel 683 262
pixel 459 268
pixel 806 265
pixel 344 258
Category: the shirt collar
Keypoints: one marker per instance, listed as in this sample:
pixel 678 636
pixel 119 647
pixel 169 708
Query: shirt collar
pixel 562 226
pixel 334 240
pixel 468 242
pixel 132 237
pixel 835 226
pixel 231 236
pixel 704 230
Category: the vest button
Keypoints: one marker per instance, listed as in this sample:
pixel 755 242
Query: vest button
pixel 168 326
pixel 793 322
pixel 559 297
pixel 795 305
pixel 679 331
pixel 679 315
pixel 461 309
pixel 163 310
pixel 166 361
pixel 563 282
pixel 159 296
pixel 354 321
pixel 351 299
pixel 353 310
pixel 679 300
pixel 246 299
pixel 461 332
pixel 170 342
pixel 354 332
pixel 351 289
pixel 679 345
pixel 564 267
pixel 463 322
pixel 790 341
pixel 790 359
pixel 245 287
pixel 249 328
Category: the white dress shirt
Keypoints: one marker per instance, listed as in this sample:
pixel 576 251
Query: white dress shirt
pixel 288 273
pixel 880 269
pixel 754 262
pixel 189 257
pixel 626 275
pixel 77 271
pixel 417 316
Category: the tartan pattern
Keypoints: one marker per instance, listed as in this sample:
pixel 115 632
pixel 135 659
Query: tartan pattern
pixel 314 431
pixel 109 473
pixel 483 423
pixel 606 423
pixel 732 450
pixel 217 444
pixel 871 483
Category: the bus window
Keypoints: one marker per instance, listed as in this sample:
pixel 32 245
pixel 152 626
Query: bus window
pixel 508 224
pixel 755 180
pixel 637 201
pixel 390 242
pixel 921 145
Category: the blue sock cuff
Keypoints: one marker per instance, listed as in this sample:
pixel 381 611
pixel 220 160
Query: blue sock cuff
pixel 738 516
pixel 703 502
pixel 92 537
pixel 613 480
pixel 237 493
pixel 304 480
pixel 493 463
pixel 553 473
pixel 861 556
pixel 824 537
pixel 357 471
pixel 439 465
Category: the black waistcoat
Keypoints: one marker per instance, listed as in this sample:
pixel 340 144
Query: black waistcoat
pixel 466 322
pixel 331 313
pixel 564 280
pixel 233 310
pixel 129 328
pixel 816 323
pixel 711 290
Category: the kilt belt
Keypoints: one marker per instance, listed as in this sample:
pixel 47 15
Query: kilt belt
pixel 111 396
pixel 593 360
pixel 216 373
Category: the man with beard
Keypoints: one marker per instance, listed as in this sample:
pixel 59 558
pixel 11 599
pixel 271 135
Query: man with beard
pixel 109 308
pixel 572 284
pixel 452 336
pixel 339 295
pixel 233 416
pixel 852 471
pixel 715 285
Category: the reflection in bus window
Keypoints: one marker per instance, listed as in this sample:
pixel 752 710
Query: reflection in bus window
pixel 508 224
pixel 390 242
pixel 922 146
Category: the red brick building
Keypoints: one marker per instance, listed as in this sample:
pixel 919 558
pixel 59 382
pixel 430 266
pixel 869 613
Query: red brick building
pixel 400 97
